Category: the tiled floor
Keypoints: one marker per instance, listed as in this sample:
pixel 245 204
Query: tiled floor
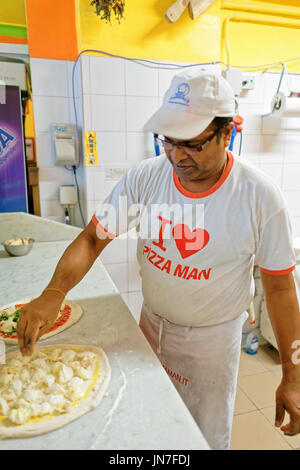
pixel 253 425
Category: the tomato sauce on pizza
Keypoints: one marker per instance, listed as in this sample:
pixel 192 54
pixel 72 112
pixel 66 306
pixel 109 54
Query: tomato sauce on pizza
pixel 62 318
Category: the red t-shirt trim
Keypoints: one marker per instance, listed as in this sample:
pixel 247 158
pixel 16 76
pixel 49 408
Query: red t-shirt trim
pixel 101 228
pixel 280 272
pixel 210 191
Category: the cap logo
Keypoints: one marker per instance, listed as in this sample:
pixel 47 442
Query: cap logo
pixel 181 95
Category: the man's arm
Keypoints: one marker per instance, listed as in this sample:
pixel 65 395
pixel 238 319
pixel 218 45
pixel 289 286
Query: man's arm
pixel 283 309
pixel 78 258
pixel 39 315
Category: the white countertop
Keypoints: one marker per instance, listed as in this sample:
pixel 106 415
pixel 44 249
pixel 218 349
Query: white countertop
pixel 142 409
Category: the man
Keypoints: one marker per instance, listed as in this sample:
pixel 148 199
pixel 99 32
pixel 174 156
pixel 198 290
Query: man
pixel 204 218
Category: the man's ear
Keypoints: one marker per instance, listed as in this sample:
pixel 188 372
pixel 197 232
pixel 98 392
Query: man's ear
pixel 227 134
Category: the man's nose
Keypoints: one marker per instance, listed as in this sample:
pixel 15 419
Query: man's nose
pixel 178 154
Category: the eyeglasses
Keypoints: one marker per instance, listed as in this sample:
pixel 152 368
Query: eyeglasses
pixel 169 144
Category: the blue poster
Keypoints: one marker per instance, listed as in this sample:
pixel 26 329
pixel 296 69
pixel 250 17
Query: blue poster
pixel 13 188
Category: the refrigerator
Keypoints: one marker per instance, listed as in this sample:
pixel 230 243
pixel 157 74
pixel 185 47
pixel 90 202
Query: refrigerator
pixel 13 183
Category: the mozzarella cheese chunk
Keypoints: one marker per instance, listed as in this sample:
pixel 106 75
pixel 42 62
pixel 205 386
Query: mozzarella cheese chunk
pixel 55 400
pixel 19 416
pixel 24 375
pixel 56 389
pixel 85 374
pixel 9 394
pixel 86 354
pixel 14 365
pixel 5 379
pixel 56 367
pixel 8 325
pixel 76 389
pixel 65 374
pixel 44 384
pixel 8 311
pixel 38 376
pixel 31 395
pixel 49 380
pixel 54 354
pixel 16 385
pixel 3 407
pixel 43 409
pixel 40 364
pixel 21 403
pixel 67 356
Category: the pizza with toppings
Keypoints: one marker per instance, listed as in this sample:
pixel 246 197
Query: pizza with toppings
pixel 57 384
pixel 70 312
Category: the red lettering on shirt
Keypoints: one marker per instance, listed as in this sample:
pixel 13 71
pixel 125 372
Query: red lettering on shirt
pixel 184 272
pixel 193 274
pixel 160 260
pixel 150 258
pixel 160 244
pixel 167 266
pixel 181 272
pixel 205 274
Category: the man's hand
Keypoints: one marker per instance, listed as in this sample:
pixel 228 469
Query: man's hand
pixel 36 318
pixel 283 308
pixel 288 399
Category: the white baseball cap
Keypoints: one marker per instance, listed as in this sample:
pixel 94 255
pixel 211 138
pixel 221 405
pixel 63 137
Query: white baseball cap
pixel 191 103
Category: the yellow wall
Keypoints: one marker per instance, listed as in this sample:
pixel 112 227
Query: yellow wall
pixel 251 43
pixel 12 11
pixel 144 33
pixel 287 3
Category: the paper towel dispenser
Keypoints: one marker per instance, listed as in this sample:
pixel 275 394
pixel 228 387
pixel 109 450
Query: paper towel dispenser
pixel 65 141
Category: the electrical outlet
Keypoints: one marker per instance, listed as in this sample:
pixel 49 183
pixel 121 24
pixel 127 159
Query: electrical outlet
pixel 248 82
pixel 234 78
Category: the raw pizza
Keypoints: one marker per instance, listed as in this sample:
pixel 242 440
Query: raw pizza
pixel 46 391
pixel 69 313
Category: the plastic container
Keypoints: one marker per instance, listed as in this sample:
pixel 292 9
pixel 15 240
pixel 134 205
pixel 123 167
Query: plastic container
pixel 252 343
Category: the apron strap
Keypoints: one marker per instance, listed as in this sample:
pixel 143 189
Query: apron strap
pixel 161 325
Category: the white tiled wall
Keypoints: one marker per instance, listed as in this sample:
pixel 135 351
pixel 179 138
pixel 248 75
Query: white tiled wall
pixel 273 144
pixel 53 103
pixel 118 97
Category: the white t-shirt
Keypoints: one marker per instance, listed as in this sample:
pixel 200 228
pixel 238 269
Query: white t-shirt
pixel 197 250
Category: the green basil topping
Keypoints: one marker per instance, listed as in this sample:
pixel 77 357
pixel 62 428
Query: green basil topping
pixel 14 330
pixel 17 314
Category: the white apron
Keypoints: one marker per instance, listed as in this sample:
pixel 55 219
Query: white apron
pixel 202 363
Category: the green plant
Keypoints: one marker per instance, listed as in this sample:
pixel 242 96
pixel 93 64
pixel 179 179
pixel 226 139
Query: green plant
pixel 105 9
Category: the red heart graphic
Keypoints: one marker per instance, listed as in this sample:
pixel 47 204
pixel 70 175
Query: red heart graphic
pixel 188 242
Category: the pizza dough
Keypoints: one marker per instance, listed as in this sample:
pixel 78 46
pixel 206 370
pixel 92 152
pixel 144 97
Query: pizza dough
pixel 70 313
pixel 48 390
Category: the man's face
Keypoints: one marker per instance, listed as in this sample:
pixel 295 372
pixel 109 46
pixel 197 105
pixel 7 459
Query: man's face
pixel 191 165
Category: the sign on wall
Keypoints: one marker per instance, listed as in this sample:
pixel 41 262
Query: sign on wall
pixel 90 149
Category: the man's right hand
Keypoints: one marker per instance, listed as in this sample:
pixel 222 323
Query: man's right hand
pixel 38 316
pixel 36 319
